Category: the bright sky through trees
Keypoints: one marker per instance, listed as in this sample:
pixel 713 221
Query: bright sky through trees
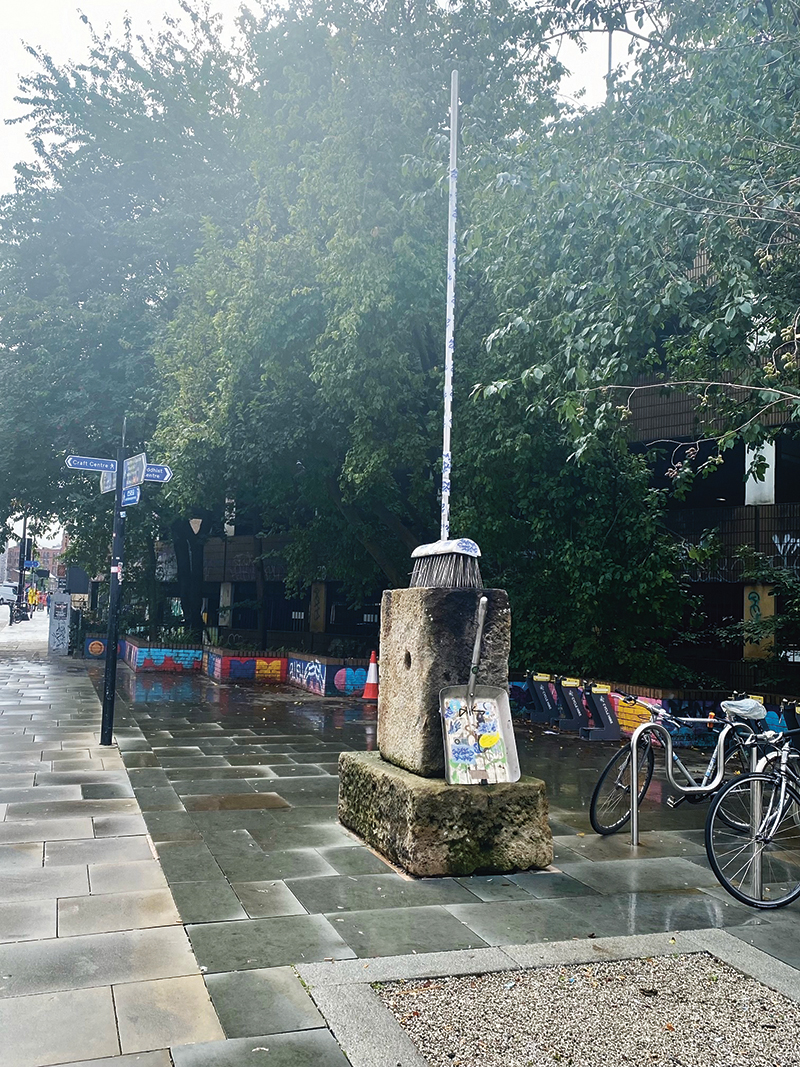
pixel 55 25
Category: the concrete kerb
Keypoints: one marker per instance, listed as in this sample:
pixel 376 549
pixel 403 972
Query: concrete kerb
pixel 371 1036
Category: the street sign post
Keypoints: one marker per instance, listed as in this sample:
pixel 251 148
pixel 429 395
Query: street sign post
pixel 134 470
pixel 157 472
pixel 123 477
pixel 90 463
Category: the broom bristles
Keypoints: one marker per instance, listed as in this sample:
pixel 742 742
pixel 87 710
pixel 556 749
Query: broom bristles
pixel 446 571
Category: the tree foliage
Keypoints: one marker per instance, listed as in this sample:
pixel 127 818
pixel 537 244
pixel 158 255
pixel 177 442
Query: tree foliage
pixel 242 247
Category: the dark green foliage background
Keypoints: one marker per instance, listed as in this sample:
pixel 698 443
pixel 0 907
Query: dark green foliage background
pixel 241 247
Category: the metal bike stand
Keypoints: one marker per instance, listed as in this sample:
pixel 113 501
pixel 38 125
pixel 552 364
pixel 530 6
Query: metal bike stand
pixel 755 821
pixel 684 790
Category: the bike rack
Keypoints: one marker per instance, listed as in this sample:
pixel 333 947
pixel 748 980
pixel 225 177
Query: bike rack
pixel 606 724
pixel 546 707
pixel 574 715
pixel 683 790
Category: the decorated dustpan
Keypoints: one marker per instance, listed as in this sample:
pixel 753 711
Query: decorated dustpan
pixel 479 743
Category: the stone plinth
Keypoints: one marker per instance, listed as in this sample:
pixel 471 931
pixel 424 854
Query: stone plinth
pixel 431 828
pixel 426 644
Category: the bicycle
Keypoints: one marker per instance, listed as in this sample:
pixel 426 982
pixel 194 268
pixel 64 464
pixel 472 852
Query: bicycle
pixel 610 806
pixel 752 833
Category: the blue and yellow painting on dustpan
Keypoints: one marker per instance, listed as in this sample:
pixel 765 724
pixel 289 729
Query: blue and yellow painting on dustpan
pixel 474 747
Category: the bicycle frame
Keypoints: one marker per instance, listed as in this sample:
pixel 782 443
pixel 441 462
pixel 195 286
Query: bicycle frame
pixel 704 789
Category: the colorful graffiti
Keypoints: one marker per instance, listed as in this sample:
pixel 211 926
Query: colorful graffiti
pixel 309 674
pixel 350 681
pixel 173 660
pixel 94 646
pixel 221 667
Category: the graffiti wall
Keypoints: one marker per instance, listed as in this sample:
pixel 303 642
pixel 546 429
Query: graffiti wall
pixel 94 646
pixel 222 667
pixel 173 660
pixel 350 680
pixel 309 673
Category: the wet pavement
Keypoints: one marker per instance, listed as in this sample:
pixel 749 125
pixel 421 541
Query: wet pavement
pixel 168 892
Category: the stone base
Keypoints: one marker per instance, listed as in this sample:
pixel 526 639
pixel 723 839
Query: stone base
pixel 431 828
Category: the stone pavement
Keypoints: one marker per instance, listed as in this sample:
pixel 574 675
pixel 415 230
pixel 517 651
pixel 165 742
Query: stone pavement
pixel 157 903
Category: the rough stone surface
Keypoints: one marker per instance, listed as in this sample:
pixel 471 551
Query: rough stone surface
pixel 426 644
pixel 431 828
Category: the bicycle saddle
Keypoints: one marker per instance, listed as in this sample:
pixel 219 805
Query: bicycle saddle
pixel 744 709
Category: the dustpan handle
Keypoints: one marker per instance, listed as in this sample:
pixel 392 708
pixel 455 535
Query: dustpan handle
pixel 476 652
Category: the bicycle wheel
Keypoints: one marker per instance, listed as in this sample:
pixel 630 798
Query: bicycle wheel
pixel 762 867
pixel 610 806
pixel 737 765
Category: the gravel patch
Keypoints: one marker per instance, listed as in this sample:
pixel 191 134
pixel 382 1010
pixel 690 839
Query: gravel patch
pixel 667 1011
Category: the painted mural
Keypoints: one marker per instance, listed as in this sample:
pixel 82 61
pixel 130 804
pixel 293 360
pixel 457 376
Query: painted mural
pixel 221 667
pixel 350 681
pixel 173 660
pixel 308 673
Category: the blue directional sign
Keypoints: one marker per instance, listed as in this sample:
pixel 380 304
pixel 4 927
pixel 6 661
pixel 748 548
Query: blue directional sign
pixel 131 496
pixel 157 472
pixel 89 463
pixel 133 470
pixel 108 481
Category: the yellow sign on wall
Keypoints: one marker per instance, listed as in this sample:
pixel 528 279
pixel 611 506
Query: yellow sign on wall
pixel 759 603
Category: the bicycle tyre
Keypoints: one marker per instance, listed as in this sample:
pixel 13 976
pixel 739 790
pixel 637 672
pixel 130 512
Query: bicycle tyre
pixel 605 801
pixel 730 851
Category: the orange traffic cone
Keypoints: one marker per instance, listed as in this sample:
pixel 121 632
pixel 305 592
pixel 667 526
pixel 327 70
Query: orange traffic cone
pixel 371 688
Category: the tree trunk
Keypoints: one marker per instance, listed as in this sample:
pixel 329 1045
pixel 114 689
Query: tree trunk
pixel 153 590
pixel 189 558
pixel 397 579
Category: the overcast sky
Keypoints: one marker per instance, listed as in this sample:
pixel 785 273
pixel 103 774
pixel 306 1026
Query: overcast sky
pixel 56 26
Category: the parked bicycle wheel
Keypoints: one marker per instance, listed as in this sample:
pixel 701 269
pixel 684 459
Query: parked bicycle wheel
pixel 610 806
pixel 737 765
pixel 761 869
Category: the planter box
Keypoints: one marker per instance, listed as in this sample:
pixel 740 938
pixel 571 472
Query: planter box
pixel 326 675
pixel 94 646
pixel 323 675
pixel 141 657
pixel 222 664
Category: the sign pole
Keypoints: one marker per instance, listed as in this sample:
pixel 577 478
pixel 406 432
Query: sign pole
pixel 114 597
pixel 22 549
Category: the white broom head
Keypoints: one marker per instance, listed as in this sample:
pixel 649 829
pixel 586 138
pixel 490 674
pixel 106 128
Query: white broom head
pixel 462 546
pixel 447 565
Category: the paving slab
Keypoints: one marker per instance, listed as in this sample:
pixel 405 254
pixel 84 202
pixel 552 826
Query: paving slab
pixel 98 959
pixel 309 1048
pixel 207 902
pixel 27 920
pixel 265 1001
pixel 174 1011
pixel 97 851
pixel 116 911
pixel 43 883
pixel 39 1030
pixel 396 931
pixel 277 942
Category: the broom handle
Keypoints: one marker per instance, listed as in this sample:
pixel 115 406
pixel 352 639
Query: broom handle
pixel 476 654
pixel 449 346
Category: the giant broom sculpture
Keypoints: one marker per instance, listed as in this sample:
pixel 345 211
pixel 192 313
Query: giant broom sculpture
pixel 449 564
